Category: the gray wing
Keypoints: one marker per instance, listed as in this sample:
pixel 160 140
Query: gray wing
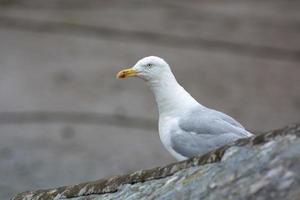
pixel 208 121
pixel 203 130
pixel 189 145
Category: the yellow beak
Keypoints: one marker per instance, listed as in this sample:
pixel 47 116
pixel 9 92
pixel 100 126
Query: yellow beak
pixel 126 73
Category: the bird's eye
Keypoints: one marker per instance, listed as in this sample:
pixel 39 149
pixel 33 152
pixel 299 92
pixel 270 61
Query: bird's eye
pixel 149 65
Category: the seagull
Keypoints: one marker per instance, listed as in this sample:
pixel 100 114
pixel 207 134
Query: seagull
pixel 186 128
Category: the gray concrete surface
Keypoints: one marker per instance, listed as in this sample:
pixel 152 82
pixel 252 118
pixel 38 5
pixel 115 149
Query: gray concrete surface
pixel 60 59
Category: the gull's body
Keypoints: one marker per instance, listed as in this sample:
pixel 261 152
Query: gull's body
pixel 186 128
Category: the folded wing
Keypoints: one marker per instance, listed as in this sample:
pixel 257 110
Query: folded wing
pixel 203 130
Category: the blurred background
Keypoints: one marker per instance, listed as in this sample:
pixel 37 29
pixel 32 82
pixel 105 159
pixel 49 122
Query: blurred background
pixel 65 119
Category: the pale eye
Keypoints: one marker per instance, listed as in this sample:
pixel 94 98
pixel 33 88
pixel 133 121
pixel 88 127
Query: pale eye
pixel 149 65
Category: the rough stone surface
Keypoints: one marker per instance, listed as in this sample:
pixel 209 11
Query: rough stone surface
pixel 266 166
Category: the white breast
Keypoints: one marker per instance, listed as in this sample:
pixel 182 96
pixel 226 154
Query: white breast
pixel 166 124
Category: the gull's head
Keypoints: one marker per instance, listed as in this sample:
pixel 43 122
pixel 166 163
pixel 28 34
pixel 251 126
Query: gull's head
pixel 149 68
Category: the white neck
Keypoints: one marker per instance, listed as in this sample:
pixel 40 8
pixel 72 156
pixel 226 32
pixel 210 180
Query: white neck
pixel 171 97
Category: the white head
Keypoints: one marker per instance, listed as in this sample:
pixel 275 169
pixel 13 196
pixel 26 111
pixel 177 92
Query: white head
pixel 150 68
pixel 169 95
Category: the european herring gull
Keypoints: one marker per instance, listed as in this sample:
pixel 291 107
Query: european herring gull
pixel 186 128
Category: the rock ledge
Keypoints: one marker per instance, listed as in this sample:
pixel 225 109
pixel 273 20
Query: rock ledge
pixel 266 166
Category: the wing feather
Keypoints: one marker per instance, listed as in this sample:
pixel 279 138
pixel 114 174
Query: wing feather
pixel 201 131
